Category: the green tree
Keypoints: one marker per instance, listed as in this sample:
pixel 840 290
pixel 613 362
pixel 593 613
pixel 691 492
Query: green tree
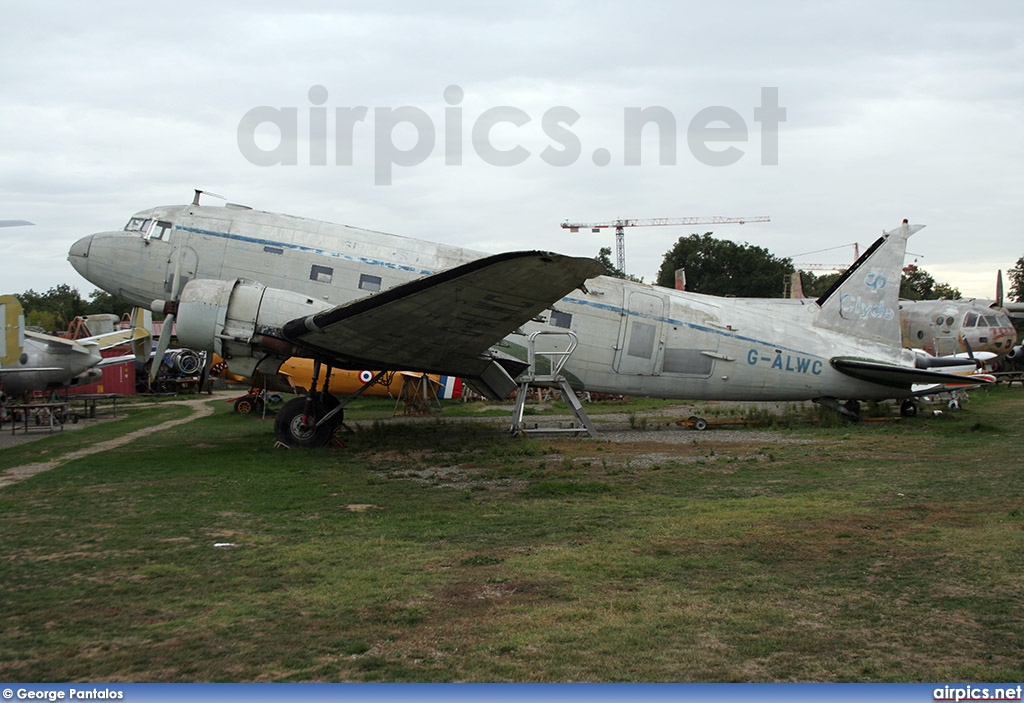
pixel 720 267
pixel 815 286
pixel 1016 275
pixel 604 257
pixel 918 284
pixel 56 308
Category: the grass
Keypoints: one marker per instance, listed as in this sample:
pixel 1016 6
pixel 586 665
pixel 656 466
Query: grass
pixel 441 550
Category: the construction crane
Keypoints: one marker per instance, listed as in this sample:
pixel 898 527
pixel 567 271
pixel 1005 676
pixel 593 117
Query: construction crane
pixel 828 267
pixel 620 226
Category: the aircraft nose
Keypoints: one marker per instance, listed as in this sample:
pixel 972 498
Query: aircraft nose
pixel 78 255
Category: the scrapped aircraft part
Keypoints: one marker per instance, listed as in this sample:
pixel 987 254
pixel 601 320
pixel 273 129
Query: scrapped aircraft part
pixel 296 424
pixel 908 408
pixel 699 423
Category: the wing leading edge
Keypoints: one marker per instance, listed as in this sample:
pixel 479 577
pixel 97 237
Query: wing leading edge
pixel 445 323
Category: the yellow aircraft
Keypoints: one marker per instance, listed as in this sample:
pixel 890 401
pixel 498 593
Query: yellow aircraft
pixel 417 390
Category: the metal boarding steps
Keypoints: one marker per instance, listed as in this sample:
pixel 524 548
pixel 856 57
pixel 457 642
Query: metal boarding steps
pixel 554 379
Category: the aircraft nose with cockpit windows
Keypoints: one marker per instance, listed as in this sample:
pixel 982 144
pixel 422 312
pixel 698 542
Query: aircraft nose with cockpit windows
pixel 125 261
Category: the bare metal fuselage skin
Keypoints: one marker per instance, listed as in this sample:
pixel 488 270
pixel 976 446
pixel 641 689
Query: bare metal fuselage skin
pixel 634 338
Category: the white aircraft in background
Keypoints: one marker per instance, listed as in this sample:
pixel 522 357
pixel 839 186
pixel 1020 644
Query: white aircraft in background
pixel 966 326
pixel 258 288
pixel 31 361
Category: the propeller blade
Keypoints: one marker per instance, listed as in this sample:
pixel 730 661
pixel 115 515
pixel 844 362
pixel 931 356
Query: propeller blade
pixel 176 279
pixel 161 347
pixel 999 288
pixel 204 377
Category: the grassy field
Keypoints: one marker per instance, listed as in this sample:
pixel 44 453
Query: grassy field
pixel 442 550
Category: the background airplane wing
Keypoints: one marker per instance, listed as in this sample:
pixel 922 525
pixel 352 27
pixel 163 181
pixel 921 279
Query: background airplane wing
pixel 903 377
pixel 443 323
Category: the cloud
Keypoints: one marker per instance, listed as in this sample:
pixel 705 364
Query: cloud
pixel 891 111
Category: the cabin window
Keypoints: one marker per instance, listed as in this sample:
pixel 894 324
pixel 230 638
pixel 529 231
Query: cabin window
pixel 561 319
pixel 273 250
pixel 368 282
pixel 641 340
pixel 689 361
pixel 321 274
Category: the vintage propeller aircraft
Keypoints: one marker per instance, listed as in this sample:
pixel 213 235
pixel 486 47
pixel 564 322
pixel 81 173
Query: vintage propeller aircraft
pixel 31 361
pixel 968 326
pixel 258 288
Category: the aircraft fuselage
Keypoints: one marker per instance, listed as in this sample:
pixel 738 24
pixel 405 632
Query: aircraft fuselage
pixel 634 338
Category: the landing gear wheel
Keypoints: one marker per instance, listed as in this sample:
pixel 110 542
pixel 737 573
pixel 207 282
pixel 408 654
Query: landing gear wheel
pixel 908 408
pixel 700 424
pixel 851 410
pixel 247 405
pixel 295 428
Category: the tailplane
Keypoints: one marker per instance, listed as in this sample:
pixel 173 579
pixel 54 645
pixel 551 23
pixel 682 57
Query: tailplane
pixel 864 302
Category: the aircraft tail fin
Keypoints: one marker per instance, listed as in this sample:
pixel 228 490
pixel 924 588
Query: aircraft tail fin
pixel 864 302
pixel 12 339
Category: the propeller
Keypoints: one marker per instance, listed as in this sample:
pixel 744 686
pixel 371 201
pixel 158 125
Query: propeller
pixel 170 309
pixel 999 288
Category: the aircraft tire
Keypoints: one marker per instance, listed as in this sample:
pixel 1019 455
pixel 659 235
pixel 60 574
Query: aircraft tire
pixel 293 428
pixel 248 406
pixel 700 424
pixel 908 408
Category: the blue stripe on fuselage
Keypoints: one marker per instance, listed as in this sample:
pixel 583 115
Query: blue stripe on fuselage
pixel 681 323
pixel 306 249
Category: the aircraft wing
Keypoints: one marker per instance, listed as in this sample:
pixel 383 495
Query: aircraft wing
pixel 903 377
pixel 29 369
pixel 447 322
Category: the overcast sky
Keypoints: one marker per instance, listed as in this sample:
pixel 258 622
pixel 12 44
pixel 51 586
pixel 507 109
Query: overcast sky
pixel 913 110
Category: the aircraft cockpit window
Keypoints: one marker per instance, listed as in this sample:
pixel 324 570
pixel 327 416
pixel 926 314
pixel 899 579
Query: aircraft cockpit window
pixel 991 321
pixel 970 319
pixel 161 230
pixel 138 224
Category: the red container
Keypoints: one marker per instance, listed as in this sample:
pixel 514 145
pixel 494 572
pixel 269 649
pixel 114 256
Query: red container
pixel 118 378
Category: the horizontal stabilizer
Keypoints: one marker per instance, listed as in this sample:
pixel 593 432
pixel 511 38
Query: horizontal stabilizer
pixel 902 377
pixel 445 323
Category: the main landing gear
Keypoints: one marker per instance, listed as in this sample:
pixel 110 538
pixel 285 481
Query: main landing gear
pixel 311 422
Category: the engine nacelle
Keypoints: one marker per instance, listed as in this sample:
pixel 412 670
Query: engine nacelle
pixel 231 318
pixel 1016 355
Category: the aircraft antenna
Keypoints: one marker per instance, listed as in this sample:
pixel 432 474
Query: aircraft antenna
pixel 195 200
pixel 621 224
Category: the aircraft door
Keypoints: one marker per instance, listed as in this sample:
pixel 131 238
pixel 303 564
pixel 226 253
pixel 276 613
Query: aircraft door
pixel 641 335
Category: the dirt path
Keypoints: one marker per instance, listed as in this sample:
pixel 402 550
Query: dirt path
pixel 200 408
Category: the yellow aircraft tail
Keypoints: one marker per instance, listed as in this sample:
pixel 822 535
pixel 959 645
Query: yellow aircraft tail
pixel 13 338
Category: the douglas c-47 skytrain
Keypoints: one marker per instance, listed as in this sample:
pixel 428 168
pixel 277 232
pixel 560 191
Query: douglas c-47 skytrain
pixel 258 288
